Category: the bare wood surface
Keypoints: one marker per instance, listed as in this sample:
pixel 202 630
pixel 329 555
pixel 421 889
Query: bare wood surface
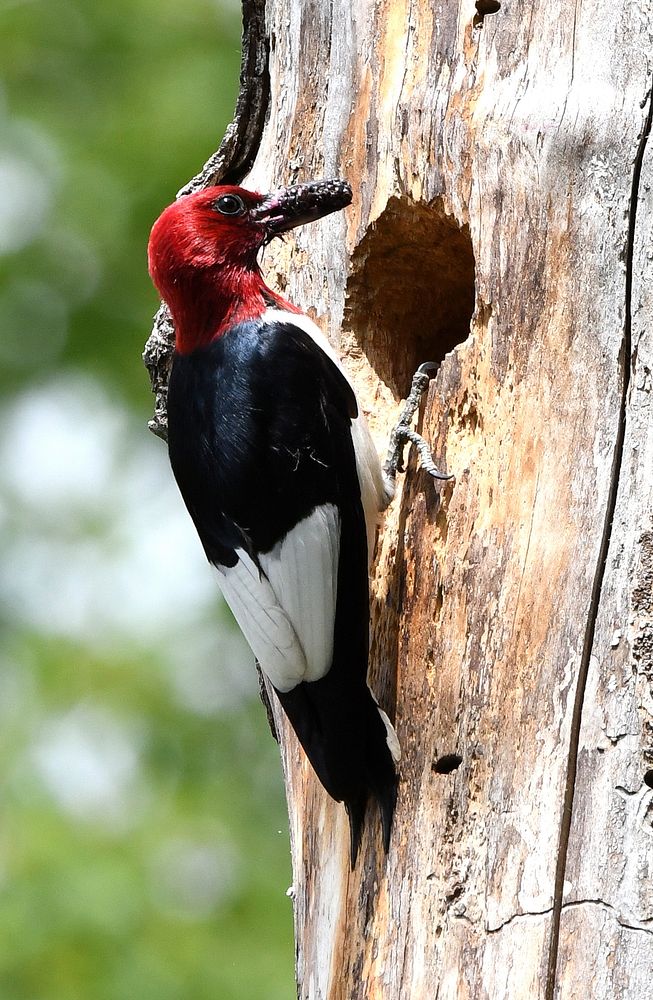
pixel 608 893
pixel 503 213
pixel 516 141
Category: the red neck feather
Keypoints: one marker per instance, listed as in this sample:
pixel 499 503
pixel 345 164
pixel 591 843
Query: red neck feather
pixel 205 304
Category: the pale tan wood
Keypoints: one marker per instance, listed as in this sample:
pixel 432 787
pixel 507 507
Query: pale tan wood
pixel 526 132
pixel 608 898
pixel 493 170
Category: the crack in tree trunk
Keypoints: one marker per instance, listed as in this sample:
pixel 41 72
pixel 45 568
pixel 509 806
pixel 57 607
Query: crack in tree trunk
pixel 615 476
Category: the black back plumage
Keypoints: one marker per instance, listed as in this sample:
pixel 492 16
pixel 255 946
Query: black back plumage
pixel 259 436
pixel 258 424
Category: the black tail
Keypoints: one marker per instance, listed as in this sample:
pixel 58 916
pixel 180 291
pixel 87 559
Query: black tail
pixel 345 739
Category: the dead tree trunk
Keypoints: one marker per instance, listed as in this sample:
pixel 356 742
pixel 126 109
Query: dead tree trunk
pixel 502 224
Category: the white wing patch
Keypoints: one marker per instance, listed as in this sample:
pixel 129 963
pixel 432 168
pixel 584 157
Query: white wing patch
pixel 287 610
pixel 303 572
pixel 263 622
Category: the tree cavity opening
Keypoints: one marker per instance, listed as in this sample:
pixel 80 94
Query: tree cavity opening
pixel 410 295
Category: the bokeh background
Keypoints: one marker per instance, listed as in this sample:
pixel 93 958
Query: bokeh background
pixel 143 833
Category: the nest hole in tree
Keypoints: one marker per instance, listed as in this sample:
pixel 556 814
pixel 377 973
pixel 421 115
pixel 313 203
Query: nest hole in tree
pixel 448 763
pixel 410 295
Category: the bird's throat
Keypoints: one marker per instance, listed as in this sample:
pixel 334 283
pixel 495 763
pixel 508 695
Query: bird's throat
pixel 209 304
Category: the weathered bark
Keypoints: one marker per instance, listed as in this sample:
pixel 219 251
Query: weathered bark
pixel 503 216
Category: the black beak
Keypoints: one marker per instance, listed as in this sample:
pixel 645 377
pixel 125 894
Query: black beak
pixel 293 206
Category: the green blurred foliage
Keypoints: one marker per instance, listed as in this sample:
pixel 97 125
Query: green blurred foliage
pixel 115 105
pixel 143 834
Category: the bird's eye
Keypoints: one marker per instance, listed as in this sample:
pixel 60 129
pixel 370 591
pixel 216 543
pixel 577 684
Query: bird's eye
pixel 229 204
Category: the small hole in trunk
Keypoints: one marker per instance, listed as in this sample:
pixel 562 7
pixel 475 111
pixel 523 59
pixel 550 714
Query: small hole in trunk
pixel 447 763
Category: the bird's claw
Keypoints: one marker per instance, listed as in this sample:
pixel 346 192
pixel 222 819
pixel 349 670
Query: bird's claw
pixel 403 432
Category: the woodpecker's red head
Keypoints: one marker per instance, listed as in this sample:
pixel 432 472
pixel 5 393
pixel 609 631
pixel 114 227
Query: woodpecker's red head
pixel 203 252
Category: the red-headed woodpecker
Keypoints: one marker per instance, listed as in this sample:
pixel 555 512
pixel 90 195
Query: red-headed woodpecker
pixel 277 468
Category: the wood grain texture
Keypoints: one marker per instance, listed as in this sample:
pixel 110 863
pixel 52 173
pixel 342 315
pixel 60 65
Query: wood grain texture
pixel 493 170
pixel 608 891
pixel 501 223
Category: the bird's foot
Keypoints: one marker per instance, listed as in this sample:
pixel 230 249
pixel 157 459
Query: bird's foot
pixel 403 432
